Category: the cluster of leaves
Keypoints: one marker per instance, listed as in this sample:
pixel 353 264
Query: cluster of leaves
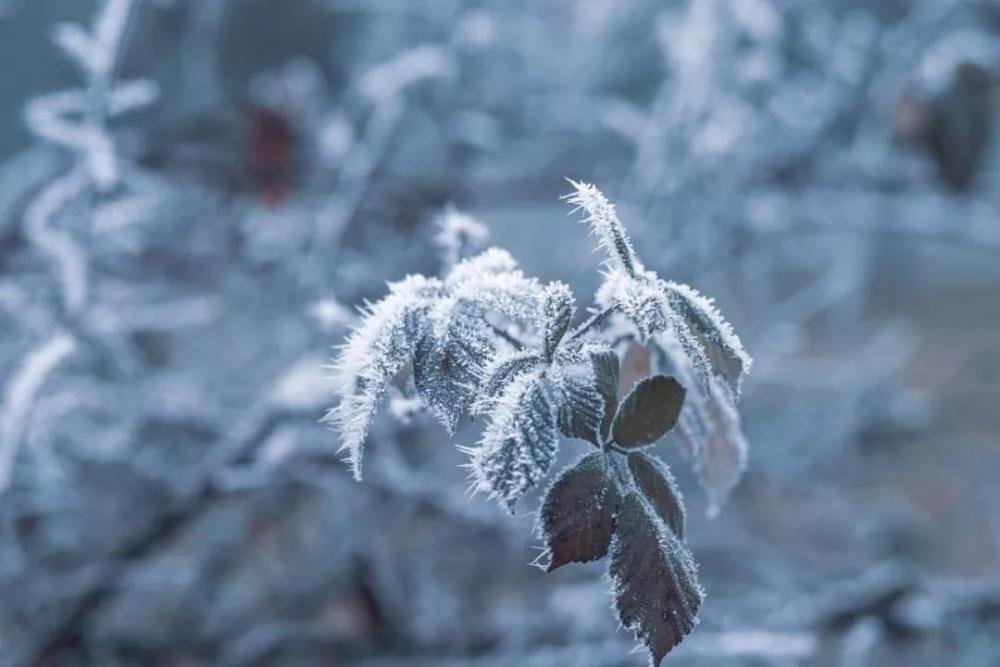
pixel 485 340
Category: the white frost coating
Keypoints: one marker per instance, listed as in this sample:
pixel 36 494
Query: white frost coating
pixel 20 396
pixel 653 305
pixel 519 443
pixel 715 326
pixel 604 224
pixel 640 298
pixel 490 261
pixel 495 375
pixel 510 294
pixel 374 353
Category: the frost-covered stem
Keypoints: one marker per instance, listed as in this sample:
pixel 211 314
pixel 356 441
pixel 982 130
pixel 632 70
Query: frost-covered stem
pixel 20 395
pixel 623 477
pixel 507 336
pixel 604 223
pixel 594 320
pixel 612 447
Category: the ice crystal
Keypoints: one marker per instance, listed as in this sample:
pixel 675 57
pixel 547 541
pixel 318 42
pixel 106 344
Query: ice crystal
pixel 604 223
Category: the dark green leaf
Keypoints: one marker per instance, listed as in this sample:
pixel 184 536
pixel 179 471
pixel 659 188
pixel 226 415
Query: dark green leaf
pixel 653 478
pixel 656 589
pixel 648 412
pixel 577 515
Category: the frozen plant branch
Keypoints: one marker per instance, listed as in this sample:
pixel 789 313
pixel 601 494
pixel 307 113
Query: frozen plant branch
pixel 450 336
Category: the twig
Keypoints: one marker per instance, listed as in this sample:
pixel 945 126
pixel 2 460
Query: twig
pixel 21 393
pixel 70 261
pixel 594 320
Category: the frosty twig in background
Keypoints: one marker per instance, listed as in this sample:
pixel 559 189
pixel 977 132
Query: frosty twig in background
pixel 74 120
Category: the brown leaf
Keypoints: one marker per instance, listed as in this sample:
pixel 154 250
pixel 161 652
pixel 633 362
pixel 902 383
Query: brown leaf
pixel 657 595
pixel 655 481
pixel 577 515
pixel 648 412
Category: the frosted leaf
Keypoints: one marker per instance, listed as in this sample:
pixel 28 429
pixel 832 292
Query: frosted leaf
pixel 723 453
pixel 448 364
pixel 605 364
pixel 500 371
pixel 557 311
pixel 709 430
pixel 648 412
pixel 604 223
pixel 581 409
pixel 519 443
pixel 714 334
pixel 379 348
pixel 509 294
pixel 653 305
pixel 641 299
pixel 657 484
pixel 576 519
pixel 655 581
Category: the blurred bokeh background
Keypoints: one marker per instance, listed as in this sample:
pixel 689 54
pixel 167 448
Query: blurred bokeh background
pixel 194 195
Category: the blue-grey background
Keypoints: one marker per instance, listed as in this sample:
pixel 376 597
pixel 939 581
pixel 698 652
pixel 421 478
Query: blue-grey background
pixel 170 497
